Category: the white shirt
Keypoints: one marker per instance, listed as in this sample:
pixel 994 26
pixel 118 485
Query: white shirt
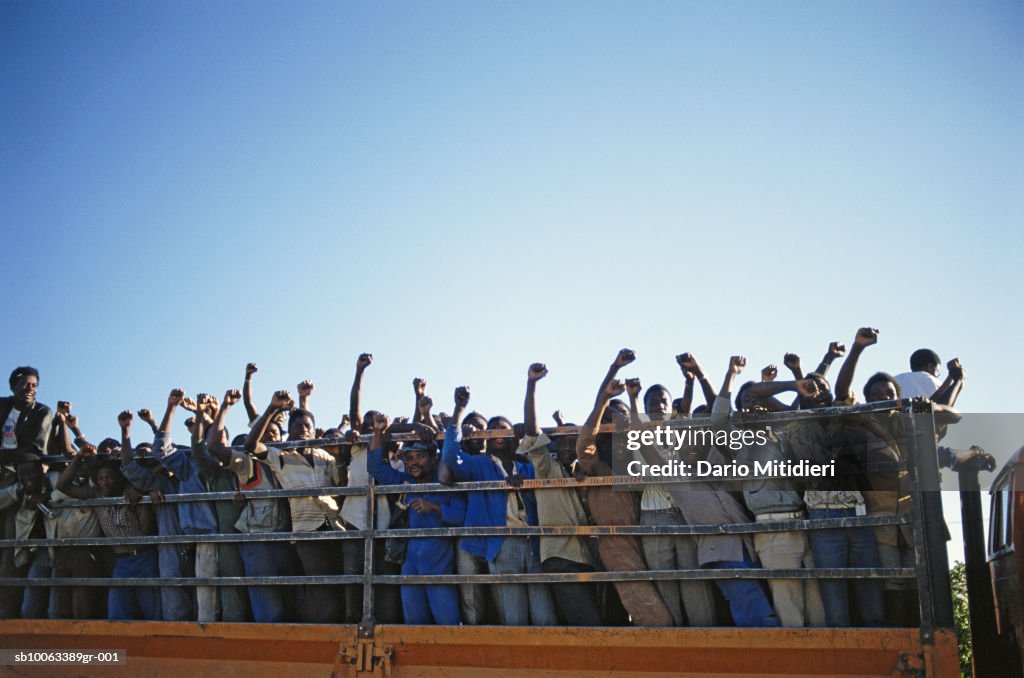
pixel 354 510
pixel 10 440
pixel 917 384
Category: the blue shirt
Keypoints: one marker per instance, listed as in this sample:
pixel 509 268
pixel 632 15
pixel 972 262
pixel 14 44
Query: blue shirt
pixel 485 508
pixel 196 517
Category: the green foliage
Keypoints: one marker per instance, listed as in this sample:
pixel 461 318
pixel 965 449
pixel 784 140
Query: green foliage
pixel 961 616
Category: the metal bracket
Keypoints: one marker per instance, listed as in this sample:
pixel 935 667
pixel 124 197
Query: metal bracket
pixel 364 659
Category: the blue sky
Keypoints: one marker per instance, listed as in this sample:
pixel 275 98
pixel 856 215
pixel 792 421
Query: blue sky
pixel 462 189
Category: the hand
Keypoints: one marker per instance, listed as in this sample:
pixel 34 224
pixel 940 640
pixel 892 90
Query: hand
pixel 625 357
pixel 807 388
pixel 190 422
pixel 124 420
pixel 364 360
pixel 736 364
pixel 769 373
pixel 381 423
pixel 614 388
pixel 445 418
pixel 791 361
pixel 86 449
pixel 419 387
pixel 536 372
pixel 64 406
pixel 156 496
pixel 238 499
pixel 231 397
pixel 956 370
pixel 132 495
pixel 688 362
pixel 146 416
pixel 519 430
pixel 351 436
pixel 305 388
pixel 427 435
pixel 836 350
pixel 974 456
pixel 60 417
pixel 633 387
pixel 462 397
pixel 421 505
pixel 212 407
pixel 175 398
pixel 319 433
pixel 251 369
pixel 401 420
pixel 866 336
pixel 559 418
pixel 515 480
pixel 282 400
pixel 345 421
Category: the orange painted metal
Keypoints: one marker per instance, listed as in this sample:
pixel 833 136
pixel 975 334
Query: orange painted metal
pixel 256 650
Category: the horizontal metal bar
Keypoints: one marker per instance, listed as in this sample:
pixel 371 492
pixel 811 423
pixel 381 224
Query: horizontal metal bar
pixel 798 525
pixel 532 578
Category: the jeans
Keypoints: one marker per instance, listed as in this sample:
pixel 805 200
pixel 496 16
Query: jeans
pixel 747 602
pixel 177 602
pixel 135 602
pixel 521 604
pixel 266 559
pixel 321 604
pixel 432 603
pixel 849 547
pixel 36 601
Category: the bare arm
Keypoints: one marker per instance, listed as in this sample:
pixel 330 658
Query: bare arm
pixel 792 363
pixel 250 408
pixel 835 350
pixel 173 400
pixel 536 372
pixel 64 483
pixel 305 389
pixel 419 390
pixel 282 400
pixel 688 363
pixel 866 336
pixel 610 388
pixel 633 388
pixel 354 414
pixel 214 438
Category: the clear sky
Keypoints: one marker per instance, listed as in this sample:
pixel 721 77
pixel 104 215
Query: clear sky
pixel 462 189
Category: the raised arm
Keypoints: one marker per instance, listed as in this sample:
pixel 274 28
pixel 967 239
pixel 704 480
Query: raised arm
pixel 835 350
pixel 792 363
pixel 175 398
pixel 633 388
pixel 305 389
pixel 610 387
pixel 215 437
pixel 354 413
pixel 866 336
pixel 66 484
pixel 147 416
pixel 950 389
pixel 419 391
pixel 281 401
pixel 536 372
pixel 736 365
pixel 688 363
pixel 250 408
pixel 451 449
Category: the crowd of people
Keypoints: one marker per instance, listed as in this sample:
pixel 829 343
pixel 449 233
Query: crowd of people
pixel 46 461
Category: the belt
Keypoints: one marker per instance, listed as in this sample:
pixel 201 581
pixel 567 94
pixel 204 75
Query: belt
pixel 664 510
pixel 130 552
pixel 792 515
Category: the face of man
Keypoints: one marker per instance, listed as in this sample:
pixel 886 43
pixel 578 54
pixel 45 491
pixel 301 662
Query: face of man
pixel 565 450
pixel 881 390
pixel 470 424
pixel 107 482
pixel 301 428
pixel 419 464
pixel 498 444
pixel 30 475
pixel 658 404
pixel 823 398
pixel 25 391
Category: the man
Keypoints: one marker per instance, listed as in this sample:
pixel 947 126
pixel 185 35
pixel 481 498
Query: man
pixel 611 507
pixel 517 604
pixel 671 552
pixel 26 423
pixel 308 468
pixel 257 516
pixel 796 602
pixel 559 507
pixel 141 468
pixel 922 381
pixel 433 603
pixel 355 515
pixel 30 495
pixel 120 520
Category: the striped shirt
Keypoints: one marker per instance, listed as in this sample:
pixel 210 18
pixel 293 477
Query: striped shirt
pixel 294 472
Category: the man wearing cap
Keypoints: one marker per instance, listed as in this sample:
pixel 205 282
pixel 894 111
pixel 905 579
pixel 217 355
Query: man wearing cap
pixel 433 603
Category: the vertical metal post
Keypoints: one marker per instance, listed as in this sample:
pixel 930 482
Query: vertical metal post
pixel 936 595
pixel 368 622
pixel 979 585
